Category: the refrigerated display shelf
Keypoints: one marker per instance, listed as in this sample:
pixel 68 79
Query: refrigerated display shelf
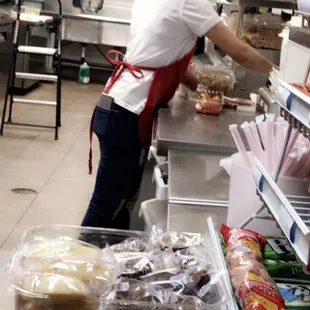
pixel 296 103
pixel 292 213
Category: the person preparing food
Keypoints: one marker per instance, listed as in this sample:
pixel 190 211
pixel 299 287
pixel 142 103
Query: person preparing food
pixel 162 41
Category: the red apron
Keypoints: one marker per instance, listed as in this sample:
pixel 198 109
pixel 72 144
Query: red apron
pixel 165 82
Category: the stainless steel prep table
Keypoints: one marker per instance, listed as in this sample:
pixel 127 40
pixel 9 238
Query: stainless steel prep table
pixel 181 128
pixel 196 178
pixel 197 189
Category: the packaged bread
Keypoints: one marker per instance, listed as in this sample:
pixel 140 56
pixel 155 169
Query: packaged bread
pixel 250 280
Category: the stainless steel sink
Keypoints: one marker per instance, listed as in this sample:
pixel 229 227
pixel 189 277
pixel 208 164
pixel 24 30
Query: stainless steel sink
pixel 110 27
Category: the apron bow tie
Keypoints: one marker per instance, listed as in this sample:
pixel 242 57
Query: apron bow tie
pixel 122 64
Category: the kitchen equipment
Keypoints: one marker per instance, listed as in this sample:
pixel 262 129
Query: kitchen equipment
pixel 91 6
pixel 37 4
pixel 304 6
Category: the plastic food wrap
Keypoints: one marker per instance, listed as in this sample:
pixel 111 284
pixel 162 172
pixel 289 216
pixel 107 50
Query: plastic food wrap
pixel 219 79
pixel 135 265
pixel 63 264
pixel 131 245
pixel 53 285
pixel 208 102
pixel 250 280
pixel 161 239
pixel 169 269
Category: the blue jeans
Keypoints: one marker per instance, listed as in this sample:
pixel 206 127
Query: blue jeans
pixel 120 170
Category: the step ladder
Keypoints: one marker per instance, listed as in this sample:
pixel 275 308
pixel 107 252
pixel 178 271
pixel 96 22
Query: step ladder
pixel 10 100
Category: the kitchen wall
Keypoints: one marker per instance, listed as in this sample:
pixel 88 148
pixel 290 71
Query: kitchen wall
pixel 71 50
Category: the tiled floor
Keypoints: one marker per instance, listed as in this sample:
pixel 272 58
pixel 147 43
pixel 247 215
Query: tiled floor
pixel 56 170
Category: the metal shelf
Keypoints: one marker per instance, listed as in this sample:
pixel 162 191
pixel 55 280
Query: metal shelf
pixel 279 4
pixel 294 102
pixel 292 213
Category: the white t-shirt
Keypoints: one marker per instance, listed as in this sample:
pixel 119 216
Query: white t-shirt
pixel 162 32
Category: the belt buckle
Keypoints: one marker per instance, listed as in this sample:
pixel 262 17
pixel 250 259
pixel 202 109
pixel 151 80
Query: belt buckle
pixel 106 102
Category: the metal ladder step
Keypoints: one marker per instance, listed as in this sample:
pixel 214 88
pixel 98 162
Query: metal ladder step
pixel 36 50
pixel 35 76
pixel 34 102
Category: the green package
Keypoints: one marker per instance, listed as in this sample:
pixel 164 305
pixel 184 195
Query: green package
pixel 287 271
pixel 296 296
pixel 278 248
pixel 223 245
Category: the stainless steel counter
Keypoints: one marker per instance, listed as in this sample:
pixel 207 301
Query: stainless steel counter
pixel 197 179
pixel 182 128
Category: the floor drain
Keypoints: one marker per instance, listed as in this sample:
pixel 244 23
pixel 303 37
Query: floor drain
pixel 24 191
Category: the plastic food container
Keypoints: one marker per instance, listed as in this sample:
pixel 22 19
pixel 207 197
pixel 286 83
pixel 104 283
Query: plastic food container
pixel 218 290
pixel 220 79
pixel 154 213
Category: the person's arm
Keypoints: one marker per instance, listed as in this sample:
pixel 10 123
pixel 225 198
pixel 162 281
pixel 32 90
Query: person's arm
pixel 190 80
pixel 242 53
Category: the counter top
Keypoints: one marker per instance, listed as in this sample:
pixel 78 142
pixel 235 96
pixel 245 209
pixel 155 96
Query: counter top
pixel 181 128
pixel 197 179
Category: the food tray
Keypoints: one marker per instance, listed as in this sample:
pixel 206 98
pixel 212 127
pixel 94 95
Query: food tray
pixel 102 237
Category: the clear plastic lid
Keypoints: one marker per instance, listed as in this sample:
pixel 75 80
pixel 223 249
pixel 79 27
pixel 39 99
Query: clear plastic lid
pixel 67 267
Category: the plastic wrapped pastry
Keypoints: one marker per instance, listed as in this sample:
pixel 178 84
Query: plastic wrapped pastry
pixel 130 245
pixel 82 270
pixel 173 240
pixel 134 265
pixel 53 285
pixel 63 248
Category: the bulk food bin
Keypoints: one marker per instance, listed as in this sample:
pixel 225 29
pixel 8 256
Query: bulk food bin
pixel 219 289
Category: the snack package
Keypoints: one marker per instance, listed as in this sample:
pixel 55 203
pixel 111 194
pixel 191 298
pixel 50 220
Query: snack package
pixel 288 271
pixel 208 102
pixel 278 248
pixel 297 297
pixel 251 282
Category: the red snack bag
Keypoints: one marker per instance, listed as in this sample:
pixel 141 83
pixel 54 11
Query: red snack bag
pixel 250 280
